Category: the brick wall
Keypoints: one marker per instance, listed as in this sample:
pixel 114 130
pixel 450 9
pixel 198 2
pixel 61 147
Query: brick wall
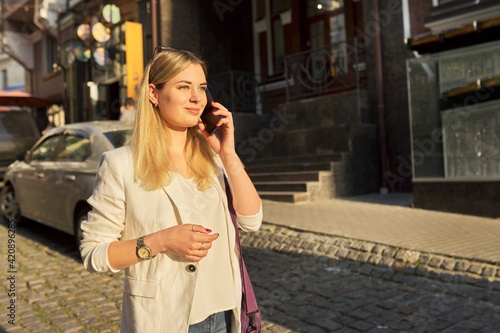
pixel 419 11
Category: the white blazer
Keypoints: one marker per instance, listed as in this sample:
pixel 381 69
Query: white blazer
pixel 158 293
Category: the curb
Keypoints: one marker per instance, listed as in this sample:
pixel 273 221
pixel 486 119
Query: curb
pixel 374 259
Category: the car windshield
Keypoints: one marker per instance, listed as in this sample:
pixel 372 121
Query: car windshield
pixel 118 138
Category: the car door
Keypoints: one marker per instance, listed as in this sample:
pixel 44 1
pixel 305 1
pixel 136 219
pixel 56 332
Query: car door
pixel 65 191
pixel 32 183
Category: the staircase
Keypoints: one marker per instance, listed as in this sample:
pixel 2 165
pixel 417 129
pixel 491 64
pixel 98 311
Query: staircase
pixel 294 178
pixel 312 150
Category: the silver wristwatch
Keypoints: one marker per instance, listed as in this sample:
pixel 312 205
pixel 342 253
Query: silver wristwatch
pixel 143 252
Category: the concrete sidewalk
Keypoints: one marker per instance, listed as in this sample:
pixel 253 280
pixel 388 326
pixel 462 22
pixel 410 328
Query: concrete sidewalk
pixel 389 220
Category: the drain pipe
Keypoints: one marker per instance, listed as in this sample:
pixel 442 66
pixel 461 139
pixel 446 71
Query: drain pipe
pixel 382 139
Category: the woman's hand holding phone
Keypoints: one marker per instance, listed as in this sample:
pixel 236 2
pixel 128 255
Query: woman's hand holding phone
pixel 219 132
pixel 208 118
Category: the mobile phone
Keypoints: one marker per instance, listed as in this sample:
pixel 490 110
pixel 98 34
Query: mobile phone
pixel 210 120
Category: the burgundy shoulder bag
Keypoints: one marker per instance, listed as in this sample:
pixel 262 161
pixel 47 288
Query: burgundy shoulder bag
pixel 251 321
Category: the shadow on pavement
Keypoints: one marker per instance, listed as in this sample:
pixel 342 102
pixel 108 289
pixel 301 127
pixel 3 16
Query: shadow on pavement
pixel 392 199
pixel 54 239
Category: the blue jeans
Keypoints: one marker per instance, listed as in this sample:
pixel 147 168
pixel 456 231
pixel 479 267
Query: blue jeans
pixel 216 323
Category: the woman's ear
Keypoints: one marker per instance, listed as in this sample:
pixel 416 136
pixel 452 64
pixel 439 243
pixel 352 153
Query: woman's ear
pixel 153 98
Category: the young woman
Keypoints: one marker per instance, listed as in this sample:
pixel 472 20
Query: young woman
pixel 160 210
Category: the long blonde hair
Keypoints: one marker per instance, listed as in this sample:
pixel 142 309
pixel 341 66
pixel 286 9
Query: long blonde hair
pixel 150 142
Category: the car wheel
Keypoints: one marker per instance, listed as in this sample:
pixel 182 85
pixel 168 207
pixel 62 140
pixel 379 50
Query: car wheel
pixel 80 217
pixel 9 205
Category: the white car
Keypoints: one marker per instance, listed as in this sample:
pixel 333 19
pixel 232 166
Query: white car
pixel 53 182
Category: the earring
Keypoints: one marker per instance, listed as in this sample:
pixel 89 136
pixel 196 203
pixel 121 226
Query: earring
pixel 155 105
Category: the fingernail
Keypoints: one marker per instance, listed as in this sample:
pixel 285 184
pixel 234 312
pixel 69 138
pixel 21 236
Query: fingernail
pixel 208 230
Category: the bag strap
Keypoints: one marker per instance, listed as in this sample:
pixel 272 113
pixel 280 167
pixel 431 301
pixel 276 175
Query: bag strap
pixel 250 299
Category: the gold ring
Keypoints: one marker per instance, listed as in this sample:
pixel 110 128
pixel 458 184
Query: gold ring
pixel 202 247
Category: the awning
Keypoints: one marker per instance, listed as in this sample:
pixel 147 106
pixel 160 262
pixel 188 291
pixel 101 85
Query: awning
pixel 22 98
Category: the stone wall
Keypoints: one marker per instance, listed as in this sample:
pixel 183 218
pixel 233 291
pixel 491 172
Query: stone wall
pixel 395 94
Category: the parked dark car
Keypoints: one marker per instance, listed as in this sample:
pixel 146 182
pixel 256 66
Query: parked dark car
pixel 52 184
pixel 18 133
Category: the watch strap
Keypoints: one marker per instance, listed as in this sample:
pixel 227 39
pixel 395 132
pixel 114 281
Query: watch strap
pixel 141 244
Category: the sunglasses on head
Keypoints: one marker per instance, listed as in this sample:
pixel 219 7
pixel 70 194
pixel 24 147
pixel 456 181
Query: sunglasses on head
pixel 160 49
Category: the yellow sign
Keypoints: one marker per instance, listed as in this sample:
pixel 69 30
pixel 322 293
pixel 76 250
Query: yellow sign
pixel 134 57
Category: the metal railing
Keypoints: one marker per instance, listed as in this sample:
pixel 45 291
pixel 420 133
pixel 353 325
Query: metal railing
pixel 324 70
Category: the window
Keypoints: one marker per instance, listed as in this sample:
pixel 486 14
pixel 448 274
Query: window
pixel 260 10
pixel 76 148
pixel 118 138
pixel 46 150
pixel 316 35
pixel 278 33
pixel 315 7
pixel 279 6
pixel 338 48
pixel 326 23
pixel 442 2
pixel 51 54
pixel 452 14
pixel 278 46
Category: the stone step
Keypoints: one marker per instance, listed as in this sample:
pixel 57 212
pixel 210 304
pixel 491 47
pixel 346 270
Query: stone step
pixel 306 176
pixel 290 186
pixel 296 159
pixel 289 167
pixel 287 178
pixel 292 197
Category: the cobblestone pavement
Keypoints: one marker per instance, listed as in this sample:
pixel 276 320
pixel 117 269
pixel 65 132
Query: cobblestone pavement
pixel 304 283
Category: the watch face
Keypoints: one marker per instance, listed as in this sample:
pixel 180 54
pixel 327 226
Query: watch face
pixel 143 252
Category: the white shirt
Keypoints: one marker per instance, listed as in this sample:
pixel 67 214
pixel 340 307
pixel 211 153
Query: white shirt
pixel 214 291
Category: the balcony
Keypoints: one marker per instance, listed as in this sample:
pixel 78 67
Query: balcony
pixel 330 69
pixel 238 91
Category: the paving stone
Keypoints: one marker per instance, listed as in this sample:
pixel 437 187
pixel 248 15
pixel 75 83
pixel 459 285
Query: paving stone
pixel 361 325
pixel 326 284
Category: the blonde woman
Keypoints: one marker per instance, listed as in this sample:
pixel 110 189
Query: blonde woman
pixel 160 212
